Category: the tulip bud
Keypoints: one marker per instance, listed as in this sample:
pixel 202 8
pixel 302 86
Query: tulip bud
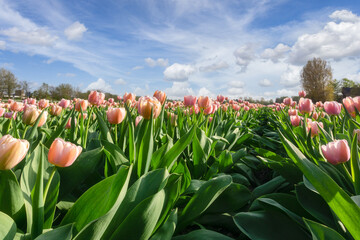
pixel 129 96
pixel 12 151
pixel 30 115
pixel 43 103
pixel 302 94
pixel 292 112
pixel 314 127
pixel 146 104
pixel 349 105
pixel 161 96
pixel 204 102
pixel 336 152
pixel 81 104
pixel 10 115
pixel 55 110
pixel 68 124
pixel 16 106
pixel 305 105
pixel 116 115
pixel 287 101
pixel 220 98
pixel 189 101
pixel 96 98
pixel 137 120
pixel 64 103
pixel 295 120
pixel 63 154
pixel 332 108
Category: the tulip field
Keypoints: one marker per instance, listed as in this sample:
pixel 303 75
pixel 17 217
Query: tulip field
pixel 201 168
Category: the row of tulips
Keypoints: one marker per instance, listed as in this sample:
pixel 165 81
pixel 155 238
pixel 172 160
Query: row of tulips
pixel 200 168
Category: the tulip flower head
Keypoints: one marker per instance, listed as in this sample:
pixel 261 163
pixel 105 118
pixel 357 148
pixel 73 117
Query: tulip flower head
pixel 12 151
pixel 302 94
pixel 288 101
pixel 2 111
pixel 332 108
pixel 189 101
pixel 129 96
pixel 30 115
pixel 55 110
pixel 116 115
pixel 43 103
pixel 137 120
pixel 161 96
pixel 220 98
pixel 314 127
pixel 296 120
pixel 305 105
pixel 336 152
pixel 349 105
pixel 96 98
pixel 81 104
pixel 204 102
pixel 62 153
pixel 64 103
pixel 146 104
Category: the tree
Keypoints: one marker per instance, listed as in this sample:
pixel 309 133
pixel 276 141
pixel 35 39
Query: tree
pixel 8 81
pixel 25 86
pixel 315 77
pixel 63 91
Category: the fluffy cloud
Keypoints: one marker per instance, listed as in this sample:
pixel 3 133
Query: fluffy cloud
pixel 338 39
pixel 178 90
pixel 120 81
pixel 159 62
pixel 66 74
pixel 244 55
pixel 214 67
pixel 178 72
pixel 282 93
pixel 137 68
pixel 265 83
pixel 235 92
pixel 36 36
pixel 2 45
pixel 75 31
pixel 236 84
pixel 100 84
pixel 291 77
pixel 277 53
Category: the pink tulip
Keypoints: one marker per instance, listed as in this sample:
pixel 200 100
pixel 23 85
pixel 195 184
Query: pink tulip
pixel 63 154
pixel 30 115
pixel 195 109
pixel 55 110
pixel 43 103
pixel 236 107
pixel 16 106
pixel 189 101
pixel 116 115
pixel 31 101
pixel 356 101
pixel 292 112
pixel 111 100
pixel 146 104
pixel 358 134
pixel 96 98
pixel 287 101
pixel 314 127
pixel 332 108
pixel 302 94
pixel 349 105
pixel 336 152
pixel 204 102
pixel 295 120
pixel 2 111
pixel 43 118
pixel 68 124
pixel 319 104
pixel 161 96
pixel 10 115
pixel 129 96
pixel 305 105
pixel 64 103
pixel 137 120
pixel 208 110
pixel 220 98
pixel 81 104
pixel 246 108
pixel 12 151
pixel 315 115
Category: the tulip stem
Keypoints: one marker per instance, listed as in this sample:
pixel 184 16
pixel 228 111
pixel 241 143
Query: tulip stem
pixel 49 182
pixel 87 126
pixel 346 171
pixel 116 134
pixel 25 131
pixel 333 118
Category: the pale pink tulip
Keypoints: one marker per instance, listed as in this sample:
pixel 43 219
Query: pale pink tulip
pixel 189 101
pixel 305 105
pixel 287 101
pixel 129 96
pixel 81 104
pixel 137 120
pixel 295 120
pixel 64 103
pixel 63 154
pixel 12 151
pixel 332 108
pixel 43 103
pixel 336 152
pixel 161 96
pixel 116 115
pixel 349 105
pixel 204 102
pixel 146 104
pixel 220 98
pixel 302 94
pixel 96 98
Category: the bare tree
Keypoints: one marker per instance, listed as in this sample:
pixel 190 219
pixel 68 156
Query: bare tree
pixel 315 78
pixel 8 81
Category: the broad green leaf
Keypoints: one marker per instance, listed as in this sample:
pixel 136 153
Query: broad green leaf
pixel 322 232
pixel 355 167
pixel 341 203
pixel 105 133
pixel 202 199
pixel 167 230
pixel 146 148
pixel 63 233
pixel 7 227
pixel 202 234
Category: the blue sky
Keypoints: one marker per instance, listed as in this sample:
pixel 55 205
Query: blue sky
pixel 235 48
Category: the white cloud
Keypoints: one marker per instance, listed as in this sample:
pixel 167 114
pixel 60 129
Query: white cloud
pixel 265 83
pixel 137 68
pixel 244 55
pixel 235 92
pixel 36 36
pixel 66 74
pixel 100 84
pixel 337 40
pixel 75 31
pixel 291 77
pixel 214 67
pixel 178 72
pixel 236 84
pixel 2 45
pixel 120 81
pixel 206 92
pixel 277 53
pixel 159 62
pixel 282 93
pixel 178 90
